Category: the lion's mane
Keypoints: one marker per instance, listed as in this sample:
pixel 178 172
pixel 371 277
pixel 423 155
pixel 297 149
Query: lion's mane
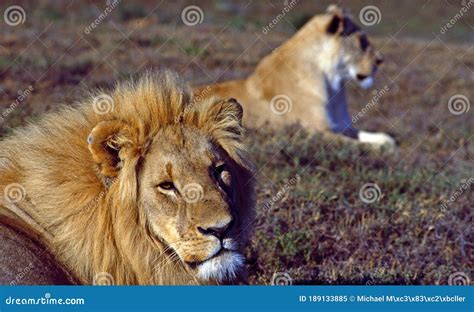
pixel 50 182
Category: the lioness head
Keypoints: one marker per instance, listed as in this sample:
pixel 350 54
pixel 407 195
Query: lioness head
pixel 191 185
pixel 346 52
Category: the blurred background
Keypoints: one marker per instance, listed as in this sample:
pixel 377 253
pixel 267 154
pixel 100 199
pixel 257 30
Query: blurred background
pixel 313 226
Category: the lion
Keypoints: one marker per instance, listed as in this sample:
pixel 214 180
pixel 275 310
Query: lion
pixel 136 186
pixel 303 81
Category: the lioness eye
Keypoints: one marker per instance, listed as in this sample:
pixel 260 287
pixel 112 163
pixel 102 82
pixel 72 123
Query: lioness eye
pixel 166 185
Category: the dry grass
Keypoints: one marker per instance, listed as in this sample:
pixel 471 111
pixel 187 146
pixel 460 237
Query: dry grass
pixel 318 230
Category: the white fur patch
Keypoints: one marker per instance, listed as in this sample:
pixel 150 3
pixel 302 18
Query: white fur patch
pixel 367 83
pixel 221 268
pixel 377 138
pixel 336 82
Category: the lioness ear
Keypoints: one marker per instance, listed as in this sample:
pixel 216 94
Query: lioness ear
pixel 110 142
pixel 340 22
pixel 227 115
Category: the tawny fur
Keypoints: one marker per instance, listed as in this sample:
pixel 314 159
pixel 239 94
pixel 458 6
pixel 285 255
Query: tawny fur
pixel 302 81
pixel 92 223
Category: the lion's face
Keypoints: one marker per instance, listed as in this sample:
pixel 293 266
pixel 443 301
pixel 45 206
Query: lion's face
pixel 347 53
pixel 187 190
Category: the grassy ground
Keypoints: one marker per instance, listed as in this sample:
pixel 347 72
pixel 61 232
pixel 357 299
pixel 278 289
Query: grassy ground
pixel 312 225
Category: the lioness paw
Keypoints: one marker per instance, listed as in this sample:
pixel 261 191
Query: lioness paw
pixel 377 139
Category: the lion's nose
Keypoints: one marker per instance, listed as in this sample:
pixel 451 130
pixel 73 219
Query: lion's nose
pixel 217 230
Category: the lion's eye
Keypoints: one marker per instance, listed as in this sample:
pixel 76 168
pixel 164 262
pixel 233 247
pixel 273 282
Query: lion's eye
pixel 223 173
pixel 221 167
pixel 166 186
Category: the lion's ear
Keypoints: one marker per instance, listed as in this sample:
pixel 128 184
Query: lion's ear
pixel 111 142
pixel 226 115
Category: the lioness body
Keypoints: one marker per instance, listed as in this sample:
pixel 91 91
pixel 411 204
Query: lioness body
pixel 303 80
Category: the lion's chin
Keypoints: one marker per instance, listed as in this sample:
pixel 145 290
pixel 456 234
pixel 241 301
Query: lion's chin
pixel 225 267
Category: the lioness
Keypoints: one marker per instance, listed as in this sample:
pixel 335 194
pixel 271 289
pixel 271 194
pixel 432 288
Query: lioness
pixel 136 186
pixel 303 80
